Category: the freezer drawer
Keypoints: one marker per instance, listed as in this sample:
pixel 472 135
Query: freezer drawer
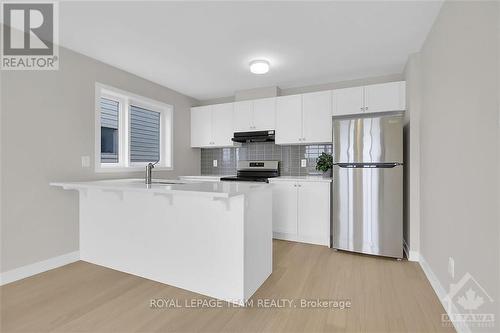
pixel 367 210
pixel 370 138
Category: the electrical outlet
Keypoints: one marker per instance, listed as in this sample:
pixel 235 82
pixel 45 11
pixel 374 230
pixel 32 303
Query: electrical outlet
pixel 303 163
pixel 214 163
pixel 451 267
pixel 86 161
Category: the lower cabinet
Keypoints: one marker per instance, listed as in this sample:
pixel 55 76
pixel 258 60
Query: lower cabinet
pixel 301 211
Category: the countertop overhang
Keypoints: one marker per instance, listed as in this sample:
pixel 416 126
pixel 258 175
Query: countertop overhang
pixel 210 189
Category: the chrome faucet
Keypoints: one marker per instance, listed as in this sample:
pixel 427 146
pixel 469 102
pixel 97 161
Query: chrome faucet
pixel 149 172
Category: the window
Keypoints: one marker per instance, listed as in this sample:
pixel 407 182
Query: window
pixel 109 130
pixel 131 131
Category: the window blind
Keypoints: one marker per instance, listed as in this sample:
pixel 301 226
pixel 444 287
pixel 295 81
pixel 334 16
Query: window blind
pixel 109 130
pixel 144 135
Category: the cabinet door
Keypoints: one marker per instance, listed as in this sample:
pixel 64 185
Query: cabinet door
pixel 243 116
pixel 222 124
pixel 385 97
pixel 201 126
pixel 264 114
pixel 317 117
pixel 285 207
pixel 289 119
pixel 348 101
pixel 314 212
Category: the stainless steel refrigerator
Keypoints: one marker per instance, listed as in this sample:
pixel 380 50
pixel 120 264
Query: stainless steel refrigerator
pixel 367 198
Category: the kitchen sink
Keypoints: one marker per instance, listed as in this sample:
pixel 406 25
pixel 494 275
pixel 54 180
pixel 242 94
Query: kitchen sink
pixel 166 182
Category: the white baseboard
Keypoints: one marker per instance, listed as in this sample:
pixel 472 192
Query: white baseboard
pixel 38 267
pixel 441 292
pixel 296 238
pixel 413 256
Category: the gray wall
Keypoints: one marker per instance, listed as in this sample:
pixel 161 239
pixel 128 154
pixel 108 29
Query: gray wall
pixel 459 146
pixel 47 124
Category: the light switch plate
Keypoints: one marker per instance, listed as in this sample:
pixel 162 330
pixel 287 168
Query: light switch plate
pixel 86 161
pixel 451 267
pixel 215 163
pixel 303 163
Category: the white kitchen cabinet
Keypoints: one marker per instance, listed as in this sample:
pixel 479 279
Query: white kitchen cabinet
pixel 303 119
pixel 201 126
pixel 289 119
pixel 264 114
pixel 385 97
pixel 243 116
pixel 348 101
pixel 212 125
pixel 222 125
pixel 255 115
pixel 301 211
pixel 373 98
pixel 317 117
pixel 314 212
pixel 285 208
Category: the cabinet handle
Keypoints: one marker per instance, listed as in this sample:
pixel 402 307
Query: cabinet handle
pixel 366 108
pixel 362 108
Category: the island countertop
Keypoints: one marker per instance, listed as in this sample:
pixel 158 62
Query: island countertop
pixel 166 186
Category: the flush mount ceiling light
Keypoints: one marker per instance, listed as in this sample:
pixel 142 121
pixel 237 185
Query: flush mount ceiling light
pixel 259 66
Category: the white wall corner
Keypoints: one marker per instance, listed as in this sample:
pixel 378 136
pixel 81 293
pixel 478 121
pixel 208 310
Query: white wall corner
pixel 410 254
pixel 38 267
pixel 441 293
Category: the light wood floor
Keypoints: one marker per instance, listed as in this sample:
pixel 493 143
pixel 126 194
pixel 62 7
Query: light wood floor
pixel 386 296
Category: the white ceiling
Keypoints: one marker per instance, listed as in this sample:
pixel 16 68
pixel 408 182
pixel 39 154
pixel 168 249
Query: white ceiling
pixel 202 49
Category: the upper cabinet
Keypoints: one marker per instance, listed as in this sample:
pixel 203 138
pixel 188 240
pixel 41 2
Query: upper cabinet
pixel 264 114
pixel 348 101
pixel 373 98
pixel 304 118
pixel 317 117
pixel 289 119
pixel 255 115
pixel 243 116
pixel 297 119
pixel 385 97
pixel 212 125
pixel 222 125
pixel 201 126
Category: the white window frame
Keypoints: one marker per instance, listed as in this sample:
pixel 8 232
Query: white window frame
pixel 126 99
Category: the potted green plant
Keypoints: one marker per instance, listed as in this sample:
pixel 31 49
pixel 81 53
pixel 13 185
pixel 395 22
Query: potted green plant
pixel 325 163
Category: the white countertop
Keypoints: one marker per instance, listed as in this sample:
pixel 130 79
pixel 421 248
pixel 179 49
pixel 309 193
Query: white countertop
pixel 301 178
pixel 207 177
pixel 212 189
pixel 310 178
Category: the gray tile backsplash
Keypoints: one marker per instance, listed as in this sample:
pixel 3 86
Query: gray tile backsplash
pixel 289 157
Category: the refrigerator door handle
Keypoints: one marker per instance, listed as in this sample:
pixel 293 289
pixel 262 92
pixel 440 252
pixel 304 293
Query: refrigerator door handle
pixel 368 165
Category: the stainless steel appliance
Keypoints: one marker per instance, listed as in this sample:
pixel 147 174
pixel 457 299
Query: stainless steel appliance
pixel 255 171
pixel 367 198
pixel 254 136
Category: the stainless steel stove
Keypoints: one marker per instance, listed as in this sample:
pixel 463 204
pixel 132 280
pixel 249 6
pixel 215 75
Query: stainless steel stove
pixel 255 171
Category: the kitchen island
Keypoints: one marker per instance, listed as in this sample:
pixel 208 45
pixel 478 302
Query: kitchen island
pixel 210 238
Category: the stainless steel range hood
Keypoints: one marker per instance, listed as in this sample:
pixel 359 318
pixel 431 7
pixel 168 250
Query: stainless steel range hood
pixel 255 136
